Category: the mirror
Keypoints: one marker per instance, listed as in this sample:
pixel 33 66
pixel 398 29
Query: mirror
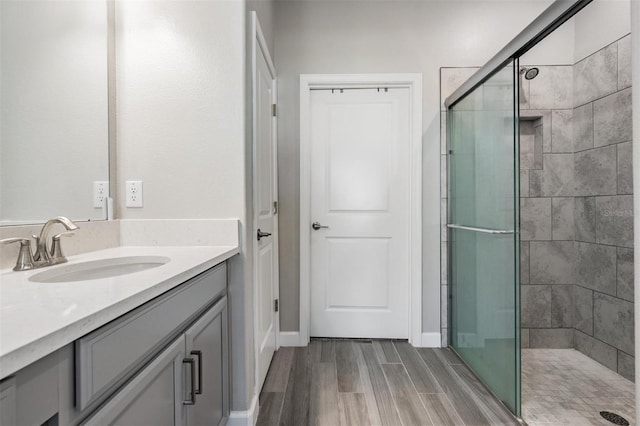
pixel 54 109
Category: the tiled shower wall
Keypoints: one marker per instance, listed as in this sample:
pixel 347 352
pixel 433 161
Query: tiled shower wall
pixel 546 209
pixel 604 208
pixel 576 206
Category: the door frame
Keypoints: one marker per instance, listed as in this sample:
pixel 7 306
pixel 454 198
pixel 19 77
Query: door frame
pixel 350 81
pixel 259 47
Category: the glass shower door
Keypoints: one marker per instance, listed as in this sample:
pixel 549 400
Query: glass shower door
pixel 483 242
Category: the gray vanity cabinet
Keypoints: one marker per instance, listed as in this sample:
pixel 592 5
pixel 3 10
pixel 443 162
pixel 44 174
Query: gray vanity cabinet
pixel 153 397
pixel 186 384
pixel 206 343
pixel 8 402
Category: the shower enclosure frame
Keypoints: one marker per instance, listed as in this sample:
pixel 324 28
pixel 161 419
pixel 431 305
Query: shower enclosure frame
pixel 553 17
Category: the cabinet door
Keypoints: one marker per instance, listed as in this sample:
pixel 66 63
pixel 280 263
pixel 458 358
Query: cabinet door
pixel 8 402
pixel 153 397
pixel 206 342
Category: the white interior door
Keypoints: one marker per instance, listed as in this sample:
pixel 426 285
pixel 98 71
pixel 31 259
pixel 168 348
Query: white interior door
pixel 360 196
pixel 265 210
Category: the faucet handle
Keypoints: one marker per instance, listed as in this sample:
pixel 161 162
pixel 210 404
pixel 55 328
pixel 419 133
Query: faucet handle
pixel 56 247
pixel 25 258
pixel 36 255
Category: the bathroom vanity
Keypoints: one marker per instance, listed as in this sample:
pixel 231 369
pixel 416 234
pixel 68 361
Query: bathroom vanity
pixel 149 347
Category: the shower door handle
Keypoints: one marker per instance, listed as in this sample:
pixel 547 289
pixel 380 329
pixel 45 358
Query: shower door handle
pixel 481 230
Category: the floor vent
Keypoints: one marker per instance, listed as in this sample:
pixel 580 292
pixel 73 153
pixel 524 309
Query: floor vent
pixel 614 418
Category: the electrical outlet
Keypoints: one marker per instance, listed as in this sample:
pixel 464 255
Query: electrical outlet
pixel 134 193
pixel 100 193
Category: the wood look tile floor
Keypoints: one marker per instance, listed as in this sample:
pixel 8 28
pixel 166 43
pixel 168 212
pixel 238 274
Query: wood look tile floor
pixel 380 382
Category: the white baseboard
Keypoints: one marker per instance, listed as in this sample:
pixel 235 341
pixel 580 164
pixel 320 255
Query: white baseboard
pixel 245 418
pixel 291 338
pixel 431 340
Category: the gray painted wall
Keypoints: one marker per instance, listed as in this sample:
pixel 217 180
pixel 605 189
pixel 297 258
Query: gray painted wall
pixel 376 37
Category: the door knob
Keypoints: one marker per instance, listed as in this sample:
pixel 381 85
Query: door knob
pixel 316 226
pixel 262 234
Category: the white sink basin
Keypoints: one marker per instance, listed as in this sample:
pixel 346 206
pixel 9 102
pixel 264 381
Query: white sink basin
pixel 97 269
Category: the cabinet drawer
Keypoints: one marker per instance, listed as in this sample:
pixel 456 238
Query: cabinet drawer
pixel 110 354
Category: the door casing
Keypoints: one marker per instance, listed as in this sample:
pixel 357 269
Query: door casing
pixel 349 81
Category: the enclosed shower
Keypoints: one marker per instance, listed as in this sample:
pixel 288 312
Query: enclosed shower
pixel 539 222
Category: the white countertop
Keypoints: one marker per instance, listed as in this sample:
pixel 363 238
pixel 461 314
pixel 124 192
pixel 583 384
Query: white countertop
pixel 37 319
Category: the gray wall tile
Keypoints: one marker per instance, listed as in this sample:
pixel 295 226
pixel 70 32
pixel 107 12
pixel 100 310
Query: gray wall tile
pixel 583 127
pixel 625 273
pixel 612 118
pixel 542 119
pixel 530 145
pixel 552 89
pixel 524 183
pixel 626 366
pixel 624 62
pixel 562 306
pixel 613 322
pixel 584 310
pixel 552 262
pixel 595 172
pixel 614 220
pixel 536 306
pixel 535 218
pixel 552 338
pixel 562 130
pixel 524 262
pixel 625 168
pixel 524 101
pixel 556 178
pixel 562 218
pixel 585 219
pixel 596 75
pixel 595 349
pixel 524 338
pixel 596 267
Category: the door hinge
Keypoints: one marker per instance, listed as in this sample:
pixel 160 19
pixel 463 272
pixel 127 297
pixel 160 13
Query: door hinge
pixel 273 110
pixel 275 305
pixel 275 207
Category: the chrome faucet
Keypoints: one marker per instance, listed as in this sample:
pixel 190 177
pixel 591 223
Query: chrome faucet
pixel 43 256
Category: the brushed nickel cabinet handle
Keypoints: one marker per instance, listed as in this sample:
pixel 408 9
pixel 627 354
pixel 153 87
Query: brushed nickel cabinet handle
pixel 198 391
pixel 192 395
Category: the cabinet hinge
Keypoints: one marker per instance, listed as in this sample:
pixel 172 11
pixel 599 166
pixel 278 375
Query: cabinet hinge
pixel 273 109
pixel 275 305
pixel 275 207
